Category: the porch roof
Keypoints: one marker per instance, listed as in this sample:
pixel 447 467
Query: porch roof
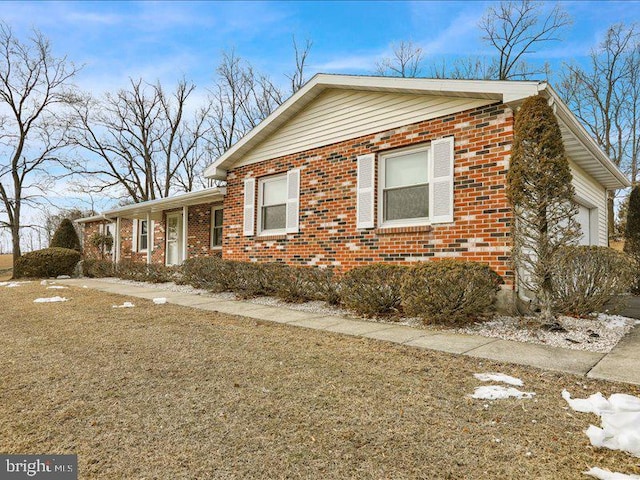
pixel 156 207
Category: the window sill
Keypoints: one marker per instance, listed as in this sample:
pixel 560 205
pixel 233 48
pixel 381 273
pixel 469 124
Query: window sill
pixel 406 229
pixel 271 236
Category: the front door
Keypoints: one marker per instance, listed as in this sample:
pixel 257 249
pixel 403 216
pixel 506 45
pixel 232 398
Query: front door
pixel 174 239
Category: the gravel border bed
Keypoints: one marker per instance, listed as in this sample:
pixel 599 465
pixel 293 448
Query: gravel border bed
pixel 595 334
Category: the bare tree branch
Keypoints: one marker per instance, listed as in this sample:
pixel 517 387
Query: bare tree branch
pixel 297 78
pixel 517 29
pixel 605 96
pixel 139 139
pixel 405 61
pixel 34 89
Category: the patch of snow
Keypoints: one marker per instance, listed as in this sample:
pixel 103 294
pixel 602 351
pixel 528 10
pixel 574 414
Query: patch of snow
pixel 499 377
pixel 84 286
pixel 56 287
pixel 614 321
pixel 50 300
pixel 596 403
pixel 497 392
pixel 608 475
pixel 12 284
pixel 62 277
pixel 160 300
pixel 620 417
pixel 43 282
pixel 124 305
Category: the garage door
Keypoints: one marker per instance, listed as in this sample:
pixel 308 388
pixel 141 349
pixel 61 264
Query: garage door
pixel 584 219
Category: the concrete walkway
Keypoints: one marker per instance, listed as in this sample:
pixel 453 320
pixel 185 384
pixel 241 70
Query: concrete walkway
pixel 622 364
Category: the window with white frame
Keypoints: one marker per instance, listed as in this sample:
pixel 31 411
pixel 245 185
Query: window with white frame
pixel 216 227
pixel 272 205
pixel 404 187
pixel 143 236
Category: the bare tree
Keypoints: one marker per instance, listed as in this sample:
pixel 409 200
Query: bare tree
pixel 515 30
pixel 297 78
pixel 34 88
pixel 606 98
pixel 473 68
pixel 139 141
pixel 633 111
pixel 405 61
pixel 240 100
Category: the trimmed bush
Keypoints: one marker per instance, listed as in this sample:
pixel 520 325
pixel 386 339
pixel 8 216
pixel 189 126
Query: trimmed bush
pixel 210 273
pixel 587 278
pixel 373 290
pixel 449 291
pixel 251 279
pixel 97 268
pixel 143 272
pixel 130 270
pixel 66 236
pixel 157 273
pixel 326 285
pixel 302 284
pixel 49 262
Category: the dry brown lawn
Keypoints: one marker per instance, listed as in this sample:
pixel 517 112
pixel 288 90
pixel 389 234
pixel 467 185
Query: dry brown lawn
pixel 168 392
pixel 6 267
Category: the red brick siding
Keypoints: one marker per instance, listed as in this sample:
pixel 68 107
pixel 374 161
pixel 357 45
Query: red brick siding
pixel 198 243
pixel 328 234
pixel 88 231
pixel 199 235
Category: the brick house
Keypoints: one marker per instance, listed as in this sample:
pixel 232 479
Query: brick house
pixel 355 169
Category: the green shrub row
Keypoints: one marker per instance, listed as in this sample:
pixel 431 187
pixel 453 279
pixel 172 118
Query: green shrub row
pixel 448 291
pixel 249 279
pixel 586 279
pixel 147 272
pixel 97 268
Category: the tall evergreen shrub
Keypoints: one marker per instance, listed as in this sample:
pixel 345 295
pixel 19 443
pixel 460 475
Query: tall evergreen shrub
pixel 632 233
pixel 541 194
pixel 66 236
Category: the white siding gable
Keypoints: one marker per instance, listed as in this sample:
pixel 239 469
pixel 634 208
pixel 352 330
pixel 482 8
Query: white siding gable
pixel 338 115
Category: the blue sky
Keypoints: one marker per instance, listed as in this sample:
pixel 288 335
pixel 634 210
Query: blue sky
pixel 168 40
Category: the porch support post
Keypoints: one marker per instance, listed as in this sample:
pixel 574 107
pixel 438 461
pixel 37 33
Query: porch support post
pixel 185 231
pixel 117 241
pixel 149 238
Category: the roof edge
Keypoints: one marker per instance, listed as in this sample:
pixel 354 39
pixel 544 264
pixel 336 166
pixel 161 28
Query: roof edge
pixel 190 198
pixel 506 91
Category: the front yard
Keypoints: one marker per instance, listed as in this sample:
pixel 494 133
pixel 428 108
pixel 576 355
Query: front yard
pixel 162 391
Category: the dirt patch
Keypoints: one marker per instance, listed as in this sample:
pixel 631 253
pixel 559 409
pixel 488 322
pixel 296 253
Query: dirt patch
pixel 162 391
pixel 6 267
